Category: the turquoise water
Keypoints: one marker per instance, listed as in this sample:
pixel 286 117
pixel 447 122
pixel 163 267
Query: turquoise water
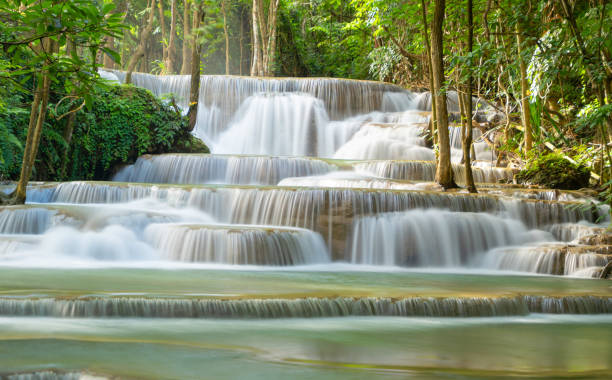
pixel 537 345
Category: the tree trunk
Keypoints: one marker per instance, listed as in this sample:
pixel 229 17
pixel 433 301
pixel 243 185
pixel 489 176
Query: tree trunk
pixel 255 63
pixel 600 84
pixel 444 171
pixel 38 115
pixel 68 130
pixel 466 131
pixel 263 38
pixel 108 61
pixel 241 41
pixel 271 45
pixel 194 90
pixel 226 34
pixel 526 111
pixel 142 46
pixel 171 53
pixel 185 66
pixel 431 84
pixel 164 36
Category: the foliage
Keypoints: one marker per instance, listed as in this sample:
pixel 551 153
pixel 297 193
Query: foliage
pixel 322 40
pixel 123 123
pixel 555 172
pixel 28 28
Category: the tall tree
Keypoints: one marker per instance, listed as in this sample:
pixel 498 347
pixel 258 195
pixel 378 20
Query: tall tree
pixel 264 37
pixel 186 63
pixel 164 35
pixel 142 46
pixel 466 129
pixel 433 129
pixel 525 109
pixel 226 34
pixel 256 64
pixel 444 170
pixel 38 114
pixel 170 64
pixel 196 48
pixel 41 37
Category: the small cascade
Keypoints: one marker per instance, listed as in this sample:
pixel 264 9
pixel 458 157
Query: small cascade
pixel 29 220
pixel 112 243
pixel 544 260
pixel 238 245
pixel 97 307
pixel 585 264
pixel 14 243
pixel 569 305
pixel 290 124
pixel 559 259
pixel 426 171
pixel 200 169
pixel 302 207
pixel 401 170
pixel 222 96
pixel 482 151
pixel 575 231
pixel 396 136
pixel 349 179
pixel 431 237
pixel 387 141
pixel 398 101
pixel 423 102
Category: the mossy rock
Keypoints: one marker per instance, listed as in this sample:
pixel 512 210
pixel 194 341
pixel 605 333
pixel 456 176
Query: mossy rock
pixel 124 123
pixel 553 171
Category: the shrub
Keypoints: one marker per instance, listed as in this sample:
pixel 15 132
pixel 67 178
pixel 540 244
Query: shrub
pixel 123 123
pixel 554 171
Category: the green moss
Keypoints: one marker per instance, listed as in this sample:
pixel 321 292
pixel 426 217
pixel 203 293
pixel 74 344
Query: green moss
pixel 555 172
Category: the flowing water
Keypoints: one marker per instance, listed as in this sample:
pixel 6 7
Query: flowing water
pixel 311 243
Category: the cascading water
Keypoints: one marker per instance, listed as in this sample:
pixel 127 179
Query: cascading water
pixel 235 244
pixel 432 237
pixel 199 169
pixel 322 205
pixel 278 124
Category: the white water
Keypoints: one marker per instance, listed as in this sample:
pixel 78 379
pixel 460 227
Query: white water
pixel 200 169
pixel 278 124
pixel 238 245
pixel 433 237
pixel 382 210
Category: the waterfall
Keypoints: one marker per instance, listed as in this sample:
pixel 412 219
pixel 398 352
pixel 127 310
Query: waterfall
pixel 112 243
pixel 302 207
pixel 545 260
pixel 291 124
pixel 238 245
pixel 426 171
pixel 575 231
pixel 398 137
pixel 28 220
pixel 10 244
pixel 431 237
pixel 348 179
pixel 200 169
pixel 423 102
pixel 398 101
pixel 96 307
pixel 386 141
pixel 579 261
pixel 221 96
